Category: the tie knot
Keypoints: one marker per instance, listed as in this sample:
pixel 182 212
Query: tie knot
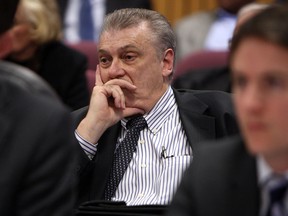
pixel 278 190
pixel 138 123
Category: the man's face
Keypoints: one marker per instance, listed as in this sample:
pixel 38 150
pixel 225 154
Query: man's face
pixel 130 54
pixel 260 87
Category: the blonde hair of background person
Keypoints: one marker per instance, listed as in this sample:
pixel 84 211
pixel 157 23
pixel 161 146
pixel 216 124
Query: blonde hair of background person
pixel 36 37
pixel 43 17
pixel 36 23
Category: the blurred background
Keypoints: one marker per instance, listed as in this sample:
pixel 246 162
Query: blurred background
pixel 177 9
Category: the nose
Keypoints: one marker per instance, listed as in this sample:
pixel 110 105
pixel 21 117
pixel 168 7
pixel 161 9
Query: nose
pixel 116 69
pixel 252 99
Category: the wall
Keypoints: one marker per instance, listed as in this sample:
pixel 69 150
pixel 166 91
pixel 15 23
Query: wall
pixel 176 9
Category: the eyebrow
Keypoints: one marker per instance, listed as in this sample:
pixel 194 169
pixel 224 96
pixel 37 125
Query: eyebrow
pixel 121 48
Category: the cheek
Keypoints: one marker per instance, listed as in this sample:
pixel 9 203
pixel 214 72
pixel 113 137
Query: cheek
pixel 237 104
pixel 104 75
pixel 279 115
pixel 21 37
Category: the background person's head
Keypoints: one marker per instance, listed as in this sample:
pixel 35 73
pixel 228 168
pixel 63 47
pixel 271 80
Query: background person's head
pixel 233 6
pixel 36 22
pixel 247 12
pixel 259 64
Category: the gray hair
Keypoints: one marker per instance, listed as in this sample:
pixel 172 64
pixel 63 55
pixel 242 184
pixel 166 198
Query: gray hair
pixel 161 30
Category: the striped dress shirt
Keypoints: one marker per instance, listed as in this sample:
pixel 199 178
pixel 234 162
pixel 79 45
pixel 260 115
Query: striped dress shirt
pixel 163 154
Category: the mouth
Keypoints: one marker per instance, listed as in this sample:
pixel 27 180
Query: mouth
pixel 255 126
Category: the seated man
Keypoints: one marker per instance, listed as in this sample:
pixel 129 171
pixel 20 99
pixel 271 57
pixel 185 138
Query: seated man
pixel 136 55
pixel 236 176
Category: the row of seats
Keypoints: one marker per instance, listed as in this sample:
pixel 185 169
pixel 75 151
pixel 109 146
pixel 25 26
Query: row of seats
pixel 89 49
pixel 198 60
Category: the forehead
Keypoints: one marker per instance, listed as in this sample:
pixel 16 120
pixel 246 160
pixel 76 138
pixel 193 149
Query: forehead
pixel 136 36
pixel 257 56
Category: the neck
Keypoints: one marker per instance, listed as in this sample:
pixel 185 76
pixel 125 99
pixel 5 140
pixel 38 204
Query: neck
pixel 279 163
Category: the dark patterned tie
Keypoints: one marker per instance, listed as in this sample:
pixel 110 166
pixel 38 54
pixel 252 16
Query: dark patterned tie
pixel 86 27
pixel 123 154
pixel 276 195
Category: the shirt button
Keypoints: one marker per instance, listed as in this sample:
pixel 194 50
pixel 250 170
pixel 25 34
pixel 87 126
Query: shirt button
pixel 154 132
pixel 143 165
pixel 140 195
pixel 141 141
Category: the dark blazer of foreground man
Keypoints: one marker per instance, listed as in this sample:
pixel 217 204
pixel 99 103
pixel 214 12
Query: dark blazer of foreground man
pixel 129 60
pixel 233 176
pixel 37 156
pixel 221 181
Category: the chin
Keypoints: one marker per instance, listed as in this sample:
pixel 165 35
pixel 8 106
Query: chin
pixel 258 146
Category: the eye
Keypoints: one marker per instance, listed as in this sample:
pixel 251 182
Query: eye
pixel 274 82
pixel 104 61
pixel 239 82
pixel 129 57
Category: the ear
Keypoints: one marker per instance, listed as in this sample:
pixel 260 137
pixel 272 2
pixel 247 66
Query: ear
pixel 19 34
pixel 5 44
pixel 168 62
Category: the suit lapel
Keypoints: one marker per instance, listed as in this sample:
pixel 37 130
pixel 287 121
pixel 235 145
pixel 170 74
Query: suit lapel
pixel 5 125
pixel 245 191
pixel 197 125
pixel 4 108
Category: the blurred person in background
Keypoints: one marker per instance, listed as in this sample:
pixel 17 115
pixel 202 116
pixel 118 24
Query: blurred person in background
pixel 217 78
pixel 208 30
pixel 37 46
pixel 82 19
pixel 37 157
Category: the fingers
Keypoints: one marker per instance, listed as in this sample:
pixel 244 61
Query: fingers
pixel 118 96
pixel 120 82
pixel 98 79
pixel 112 89
pixel 123 84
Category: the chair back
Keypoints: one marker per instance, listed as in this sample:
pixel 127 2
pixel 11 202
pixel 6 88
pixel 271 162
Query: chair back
pixel 89 49
pixel 201 60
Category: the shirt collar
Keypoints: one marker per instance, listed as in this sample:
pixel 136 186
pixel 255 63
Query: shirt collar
pixel 159 113
pixel 265 172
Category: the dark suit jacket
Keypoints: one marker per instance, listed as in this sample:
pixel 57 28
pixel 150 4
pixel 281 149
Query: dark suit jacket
pixel 64 69
pixel 111 5
pixel 205 115
pixel 37 157
pixel 222 181
pixel 205 79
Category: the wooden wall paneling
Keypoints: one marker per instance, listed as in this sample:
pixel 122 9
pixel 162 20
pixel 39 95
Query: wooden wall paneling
pixel 177 9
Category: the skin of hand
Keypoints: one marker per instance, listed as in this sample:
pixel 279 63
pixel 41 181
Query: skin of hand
pixel 107 107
